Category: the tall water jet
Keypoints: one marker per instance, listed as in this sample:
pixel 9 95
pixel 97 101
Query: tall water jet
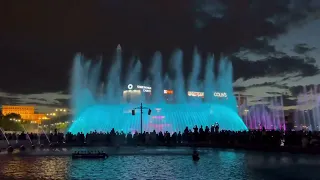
pixel 282 113
pixel 267 113
pixel 307 115
pixel 193 79
pixel 94 77
pixel 27 134
pixel 209 78
pixel 2 131
pixel 179 85
pixel 45 135
pixel 316 111
pixel 157 83
pixel 134 74
pixel 113 84
pixel 133 78
pixel 76 82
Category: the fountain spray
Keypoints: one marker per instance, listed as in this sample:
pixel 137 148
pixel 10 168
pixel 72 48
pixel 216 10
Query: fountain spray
pixel 10 148
pixel 5 136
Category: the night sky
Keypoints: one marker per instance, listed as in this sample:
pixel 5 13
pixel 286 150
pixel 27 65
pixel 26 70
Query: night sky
pixel 273 44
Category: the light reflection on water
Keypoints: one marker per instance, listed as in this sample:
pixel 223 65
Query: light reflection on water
pixel 34 167
pixel 212 165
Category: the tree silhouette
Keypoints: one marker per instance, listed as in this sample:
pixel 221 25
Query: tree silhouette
pixel 8 122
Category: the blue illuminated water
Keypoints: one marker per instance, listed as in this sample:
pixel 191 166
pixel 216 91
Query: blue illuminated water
pixel 161 163
pixel 102 106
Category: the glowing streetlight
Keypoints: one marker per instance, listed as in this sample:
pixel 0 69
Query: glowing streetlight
pixel 16 120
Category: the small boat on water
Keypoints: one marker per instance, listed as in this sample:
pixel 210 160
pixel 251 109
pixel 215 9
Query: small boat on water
pixel 89 155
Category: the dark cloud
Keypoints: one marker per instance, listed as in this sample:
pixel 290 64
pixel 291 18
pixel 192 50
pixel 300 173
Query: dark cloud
pixel 296 90
pixel 39 39
pixel 302 48
pixel 239 88
pixel 288 101
pixel 63 102
pixel 310 60
pixel 43 99
pixel 246 21
pixel 261 46
pixel 39 99
pixel 32 101
pixel 272 84
pixel 7 100
pixel 274 99
pixel 259 101
pixel 274 93
pixel 42 104
pixel 272 66
pixel 65 92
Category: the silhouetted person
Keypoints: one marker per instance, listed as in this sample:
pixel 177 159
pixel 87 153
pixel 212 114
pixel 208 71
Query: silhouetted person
pixel 195 155
pixel 195 129
pixel 212 128
pixel 216 128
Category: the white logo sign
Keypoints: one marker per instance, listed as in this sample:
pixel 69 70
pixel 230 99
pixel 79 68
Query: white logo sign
pixel 130 86
pixel 220 94
pixel 144 88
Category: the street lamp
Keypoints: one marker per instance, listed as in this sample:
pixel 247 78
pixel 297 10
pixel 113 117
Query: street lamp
pixel 141 111
pixel 16 120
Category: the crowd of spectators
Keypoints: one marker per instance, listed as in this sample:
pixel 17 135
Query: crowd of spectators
pixel 206 136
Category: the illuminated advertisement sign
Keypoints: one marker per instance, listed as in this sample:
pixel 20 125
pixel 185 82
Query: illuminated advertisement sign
pixel 220 94
pixel 201 94
pixel 195 94
pixel 143 88
pixel 167 91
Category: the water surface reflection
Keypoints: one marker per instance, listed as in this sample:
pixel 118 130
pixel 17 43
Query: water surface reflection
pixel 212 165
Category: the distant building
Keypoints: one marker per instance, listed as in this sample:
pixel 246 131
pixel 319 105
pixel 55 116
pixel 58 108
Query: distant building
pixel 26 113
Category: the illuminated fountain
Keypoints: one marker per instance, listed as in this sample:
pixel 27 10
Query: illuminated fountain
pixel 267 113
pixel 307 114
pixel 101 108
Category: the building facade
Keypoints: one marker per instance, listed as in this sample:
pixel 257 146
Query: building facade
pixel 26 113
